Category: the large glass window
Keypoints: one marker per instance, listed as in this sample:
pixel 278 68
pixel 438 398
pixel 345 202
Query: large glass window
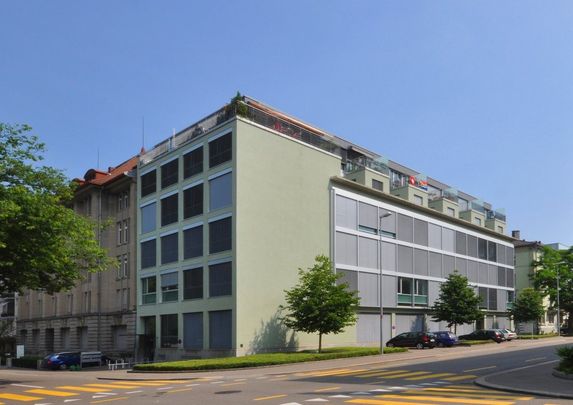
pixel 169 210
pixel 193 163
pixel 148 218
pixel 220 279
pixel 148 183
pixel 461 243
pixel 193 201
pixel 221 192
pixel 220 329
pixel 346 212
pixel 420 232
pixel 148 254
pixel 448 239
pixel 169 287
pixel 405 228
pixel 482 291
pixel 482 249
pixel 420 292
pixel 405 290
pixel 220 235
pixel 491 251
pixel 472 246
pixel 169 248
pixel 169 330
pixel 193 242
pixel 149 290
pixel 193 331
pixel 220 150
pixel 170 173
pixel 405 259
pixel 193 284
pixel 368 218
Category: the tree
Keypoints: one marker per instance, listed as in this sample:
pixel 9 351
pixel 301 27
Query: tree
pixel 457 303
pixel 44 244
pixel 528 307
pixel 317 304
pixel 553 263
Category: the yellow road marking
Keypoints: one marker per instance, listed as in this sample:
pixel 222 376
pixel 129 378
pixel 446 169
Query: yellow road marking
pixel 460 377
pixel 477 369
pixel 315 373
pixel 382 402
pixel 109 400
pixel 123 387
pixel 272 397
pixel 484 401
pixel 81 389
pixel 340 373
pixel 425 377
pixel 18 397
pixel 407 374
pixel 327 389
pixel 180 390
pixel 228 385
pixel 381 373
pixel 52 393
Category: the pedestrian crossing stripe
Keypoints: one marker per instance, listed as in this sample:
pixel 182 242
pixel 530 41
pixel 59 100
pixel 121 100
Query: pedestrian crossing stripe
pixel 379 373
pixel 142 383
pixel 460 377
pixel 468 393
pixel 126 387
pixel 381 402
pixel 52 393
pixel 80 389
pixel 18 397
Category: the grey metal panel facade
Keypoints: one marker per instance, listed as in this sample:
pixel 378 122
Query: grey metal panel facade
pixel 405 228
pixel 421 262
pixel 435 265
pixel 346 212
pixel 420 232
pixel 405 259
pixel 433 291
pixel 434 236
pixel 472 271
pixel 346 249
pixel 388 256
pixel 368 287
pixel 389 288
pixel 368 253
pixel 367 215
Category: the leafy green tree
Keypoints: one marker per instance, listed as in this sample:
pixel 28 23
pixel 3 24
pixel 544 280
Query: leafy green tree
pixel 44 244
pixel 528 306
pixel 317 304
pixel 457 303
pixel 553 263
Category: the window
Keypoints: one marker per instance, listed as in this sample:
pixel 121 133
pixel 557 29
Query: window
pixel 482 291
pixel 405 291
pixel 491 252
pixel 477 221
pixel 220 150
pixel 420 292
pixel 119 233
pixel 193 242
pixel 482 249
pixel 148 218
pixel 193 201
pixel 346 212
pixel 220 279
pixel 461 243
pixel 472 246
pixel 420 232
pixel 418 199
pixel 169 248
pixel 377 185
pixel 220 329
pixel 450 211
pixel 170 173
pixel 169 210
pixel 368 218
pixel 193 163
pixel 122 201
pixel 169 330
pixel 193 331
pixel 193 284
pixel 221 192
pixel 405 228
pixel 405 259
pixel 500 229
pixel 169 287
pixel 448 239
pixel 434 236
pixel 492 302
pixel 220 235
pixel 148 183
pixel 463 204
pixel 148 290
pixel 388 223
pixel 122 269
pixel 126 231
pixel 148 254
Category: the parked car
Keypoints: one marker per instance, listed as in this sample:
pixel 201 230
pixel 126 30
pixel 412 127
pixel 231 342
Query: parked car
pixel 419 340
pixel 61 361
pixel 509 334
pixel 445 339
pixel 484 334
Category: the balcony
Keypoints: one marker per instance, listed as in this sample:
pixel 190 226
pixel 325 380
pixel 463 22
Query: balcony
pixel 475 213
pixel 495 220
pixel 412 193
pixel 445 202
pixel 409 299
pixel 369 172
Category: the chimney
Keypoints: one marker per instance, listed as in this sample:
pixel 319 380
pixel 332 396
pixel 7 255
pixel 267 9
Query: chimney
pixel 516 234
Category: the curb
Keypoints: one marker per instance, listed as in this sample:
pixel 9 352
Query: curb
pixel 562 375
pixel 482 382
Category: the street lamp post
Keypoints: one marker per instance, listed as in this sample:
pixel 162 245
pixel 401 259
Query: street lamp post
pixel 387 214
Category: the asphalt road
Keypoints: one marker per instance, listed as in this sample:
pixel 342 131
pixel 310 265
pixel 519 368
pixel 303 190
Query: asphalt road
pixel 438 376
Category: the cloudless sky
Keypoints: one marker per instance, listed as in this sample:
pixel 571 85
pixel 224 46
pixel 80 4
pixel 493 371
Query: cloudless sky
pixel 477 94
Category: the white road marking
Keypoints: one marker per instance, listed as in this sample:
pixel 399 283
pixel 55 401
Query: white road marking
pixel 27 386
pixel 380 390
pixel 360 393
pixel 134 392
pixel 397 388
pixel 72 400
pixel 165 388
pixel 527 361
pixel 339 396
pixel 317 400
pixel 217 382
pixel 191 385
pixel 105 393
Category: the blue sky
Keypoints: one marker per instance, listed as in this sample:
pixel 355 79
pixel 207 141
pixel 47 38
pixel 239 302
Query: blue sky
pixel 476 94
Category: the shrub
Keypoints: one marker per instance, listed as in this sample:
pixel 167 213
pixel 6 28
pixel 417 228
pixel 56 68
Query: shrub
pixel 566 363
pixel 26 362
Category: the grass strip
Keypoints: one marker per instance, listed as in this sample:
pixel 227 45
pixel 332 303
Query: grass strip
pixel 544 336
pixel 267 359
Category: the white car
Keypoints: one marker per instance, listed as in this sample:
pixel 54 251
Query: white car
pixel 509 334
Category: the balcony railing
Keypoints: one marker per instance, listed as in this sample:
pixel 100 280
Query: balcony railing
pixel 409 299
pixel 497 214
pixel 379 165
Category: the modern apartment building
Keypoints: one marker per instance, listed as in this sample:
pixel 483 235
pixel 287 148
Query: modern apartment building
pixel 232 206
pixel 99 312
pixel 527 252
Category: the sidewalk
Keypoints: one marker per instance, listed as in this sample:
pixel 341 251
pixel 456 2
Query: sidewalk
pixel 535 379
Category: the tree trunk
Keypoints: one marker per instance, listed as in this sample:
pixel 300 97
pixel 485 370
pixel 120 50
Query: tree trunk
pixel 320 342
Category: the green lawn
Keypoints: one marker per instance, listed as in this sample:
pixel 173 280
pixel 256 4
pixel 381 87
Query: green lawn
pixel 258 360
pixel 475 342
pixel 544 336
